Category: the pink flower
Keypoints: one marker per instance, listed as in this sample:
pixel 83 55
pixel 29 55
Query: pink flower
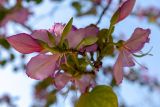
pixel 40 66
pixel 17 15
pixel 82 83
pixel 44 65
pixel 134 44
pixel 75 36
pixel 124 10
pixel 2 2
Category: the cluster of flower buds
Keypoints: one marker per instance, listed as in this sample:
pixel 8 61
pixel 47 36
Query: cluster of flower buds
pixel 63 50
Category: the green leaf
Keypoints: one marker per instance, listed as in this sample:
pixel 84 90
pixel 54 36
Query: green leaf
pixel 102 35
pixel 66 30
pixel 4 43
pixel 87 41
pixel 51 38
pixel 90 40
pixel 45 46
pixel 3 13
pixel 100 96
pixel 51 98
pixel 3 62
pixel 77 6
pixel 114 18
pixel 36 1
pixel 108 50
pixel 12 57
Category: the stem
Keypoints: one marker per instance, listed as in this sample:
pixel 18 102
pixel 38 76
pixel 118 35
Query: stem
pixel 103 12
pixel 27 27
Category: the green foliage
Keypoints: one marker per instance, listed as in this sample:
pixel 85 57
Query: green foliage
pixel 77 6
pixel 3 62
pixel 4 43
pixel 51 98
pixel 2 13
pixel 12 57
pixel 105 42
pixel 66 30
pixel 36 1
pixel 74 65
pixel 100 96
pixel 51 38
pixel 87 41
pixel 114 18
pixel 43 84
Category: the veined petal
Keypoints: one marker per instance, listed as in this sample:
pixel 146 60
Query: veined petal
pixel 118 69
pixel 138 39
pixel 84 82
pixel 91 31
pixel 127 58
pixel 75 37
pixel 24 43
pixel 91 48
pixel 41 66
pixel 125 9
pixel 41 35
pixel 57 29
pixel 61 79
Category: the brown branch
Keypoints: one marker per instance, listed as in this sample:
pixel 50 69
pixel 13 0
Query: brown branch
pixel 103 12
pixel 27 27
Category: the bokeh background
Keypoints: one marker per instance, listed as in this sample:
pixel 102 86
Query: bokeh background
pixel 140 88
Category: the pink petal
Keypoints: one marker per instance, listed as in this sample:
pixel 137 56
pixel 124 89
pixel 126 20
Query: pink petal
pixel 20 16
pixel 125 9
pixel 118 69
pixel 61 79
pixel 24 43
pixel 91 31
pixel 5 20
pixel 138 39
pixel 91 48
pixel 2 2
pixel 75 37
pixel 127 59
pixel 124 60
pixel 84 82
pixel 41 66
pixel 41 35
pixel 57 29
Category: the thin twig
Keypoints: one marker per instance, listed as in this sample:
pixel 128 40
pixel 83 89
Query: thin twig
pixel 103 12
pixel 27 27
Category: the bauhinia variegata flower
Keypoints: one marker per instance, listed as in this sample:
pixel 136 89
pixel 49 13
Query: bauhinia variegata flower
pixel 63 50
pixel 127 48
pixel 43 41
